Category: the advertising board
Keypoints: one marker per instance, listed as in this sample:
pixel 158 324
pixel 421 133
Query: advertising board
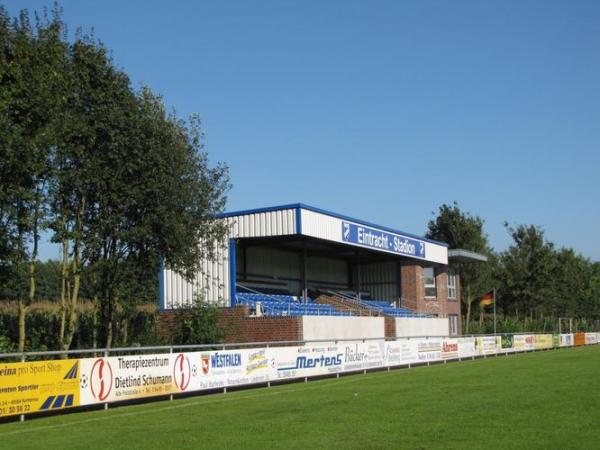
pixel 523 342
pixel 566 339
pixel 591 338
pixel 486 345
pixel 543 341
pixel 48 385
pixel 29 387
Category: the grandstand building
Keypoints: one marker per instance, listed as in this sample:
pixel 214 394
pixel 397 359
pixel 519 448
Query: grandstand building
pixel 326 275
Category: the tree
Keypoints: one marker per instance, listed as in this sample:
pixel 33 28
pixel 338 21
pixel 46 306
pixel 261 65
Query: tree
pixel 122 184
pixel 462 230
pixel 527 273
pixel 30 77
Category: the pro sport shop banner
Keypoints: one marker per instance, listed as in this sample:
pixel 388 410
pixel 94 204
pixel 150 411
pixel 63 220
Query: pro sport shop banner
pixel 38 386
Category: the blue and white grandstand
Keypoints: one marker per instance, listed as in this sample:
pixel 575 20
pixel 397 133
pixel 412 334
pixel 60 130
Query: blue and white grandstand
pixel 290 254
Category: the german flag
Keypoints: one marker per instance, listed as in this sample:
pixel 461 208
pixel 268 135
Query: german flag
pixel 487 299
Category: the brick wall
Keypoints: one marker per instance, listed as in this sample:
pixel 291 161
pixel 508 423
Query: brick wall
pixel 390 327
pixel 239 327
pixel 413 292
pixel 411 286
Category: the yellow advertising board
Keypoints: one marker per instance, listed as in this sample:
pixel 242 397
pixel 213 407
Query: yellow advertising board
pixel 543 341
pixel 38 386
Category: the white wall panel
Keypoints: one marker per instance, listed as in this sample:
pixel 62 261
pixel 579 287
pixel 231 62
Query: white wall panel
pixel 416 326
pixel 332 327
pixel 263 224
pixel 211 282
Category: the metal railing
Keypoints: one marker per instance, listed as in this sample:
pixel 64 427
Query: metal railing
pixel 225 346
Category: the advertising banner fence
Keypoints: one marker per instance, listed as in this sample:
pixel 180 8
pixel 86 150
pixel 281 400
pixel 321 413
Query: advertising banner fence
pixel 567 340
pixel 30 387
pixel 38 386
pixel 524 342
pixel 543 341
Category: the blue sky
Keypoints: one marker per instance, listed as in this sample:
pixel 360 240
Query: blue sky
pixel 382 110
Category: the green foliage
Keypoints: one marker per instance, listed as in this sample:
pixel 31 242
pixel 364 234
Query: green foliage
pixel 535 280
pixel 461 230
pixel 121 184
pixel 199 325
pixel 137 327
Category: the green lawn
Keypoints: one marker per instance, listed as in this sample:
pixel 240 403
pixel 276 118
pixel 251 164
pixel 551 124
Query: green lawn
pixel 537 400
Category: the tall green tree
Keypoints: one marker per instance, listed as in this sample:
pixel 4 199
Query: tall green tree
pixel 29 76
pixel 528 273
pixel 462 230
pixel 122 184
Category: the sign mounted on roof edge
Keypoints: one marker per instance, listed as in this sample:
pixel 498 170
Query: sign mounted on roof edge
pixel 381 240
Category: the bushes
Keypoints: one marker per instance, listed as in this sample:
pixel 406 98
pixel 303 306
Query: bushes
pixel 198 325
pixel 136 327
pixel 513 325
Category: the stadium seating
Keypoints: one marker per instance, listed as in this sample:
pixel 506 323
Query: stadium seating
pixel 286 305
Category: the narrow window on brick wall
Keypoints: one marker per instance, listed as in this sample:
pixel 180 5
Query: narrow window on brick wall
pixel 453 318
pixel 451 284
pixel 429 279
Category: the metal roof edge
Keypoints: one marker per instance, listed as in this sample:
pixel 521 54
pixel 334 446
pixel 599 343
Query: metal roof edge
pixel 327 213
pixel 462 254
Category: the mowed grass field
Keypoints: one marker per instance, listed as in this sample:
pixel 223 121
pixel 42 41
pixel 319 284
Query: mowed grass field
pixel 536 400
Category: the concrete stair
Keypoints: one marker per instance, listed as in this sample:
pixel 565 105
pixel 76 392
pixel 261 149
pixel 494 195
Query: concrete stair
pixel 345 305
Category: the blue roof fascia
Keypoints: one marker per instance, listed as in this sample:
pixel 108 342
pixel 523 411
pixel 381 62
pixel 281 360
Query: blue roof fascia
pixel 327 213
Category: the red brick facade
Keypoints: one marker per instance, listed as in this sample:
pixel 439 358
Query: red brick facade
pixel 238 326
pixel 413 292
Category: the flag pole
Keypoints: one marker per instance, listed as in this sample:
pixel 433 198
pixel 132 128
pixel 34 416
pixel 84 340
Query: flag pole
pixel 494 311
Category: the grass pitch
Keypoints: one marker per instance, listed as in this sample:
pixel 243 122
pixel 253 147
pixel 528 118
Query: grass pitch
pixel 537 400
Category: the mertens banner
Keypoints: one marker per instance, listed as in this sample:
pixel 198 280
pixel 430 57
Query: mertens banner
pixel 38 386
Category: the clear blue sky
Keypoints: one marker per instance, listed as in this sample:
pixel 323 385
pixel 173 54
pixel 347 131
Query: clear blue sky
pixel 382 110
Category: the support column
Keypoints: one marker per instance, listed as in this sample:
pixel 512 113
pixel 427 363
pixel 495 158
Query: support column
pixel 304 272
pixel 358 275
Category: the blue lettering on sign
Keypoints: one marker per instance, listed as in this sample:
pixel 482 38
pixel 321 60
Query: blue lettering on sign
pixel 226 360
pixel 370 237
pixel 304 362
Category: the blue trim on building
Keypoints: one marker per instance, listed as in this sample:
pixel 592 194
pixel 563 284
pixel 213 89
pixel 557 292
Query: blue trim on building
pixel 327 213
pixel 232 273
pixel 298 220
pixel 161 286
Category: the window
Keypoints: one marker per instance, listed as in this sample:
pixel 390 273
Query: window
pixel 429 279
pixel 451 284
pixel 453 318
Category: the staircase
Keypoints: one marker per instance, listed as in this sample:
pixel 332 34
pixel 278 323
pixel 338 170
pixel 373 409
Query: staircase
pixel 346 305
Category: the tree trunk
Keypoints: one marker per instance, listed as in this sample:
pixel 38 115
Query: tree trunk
pixel 63 292
pixel 21 343
pixel 72 324
pixel 95 323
